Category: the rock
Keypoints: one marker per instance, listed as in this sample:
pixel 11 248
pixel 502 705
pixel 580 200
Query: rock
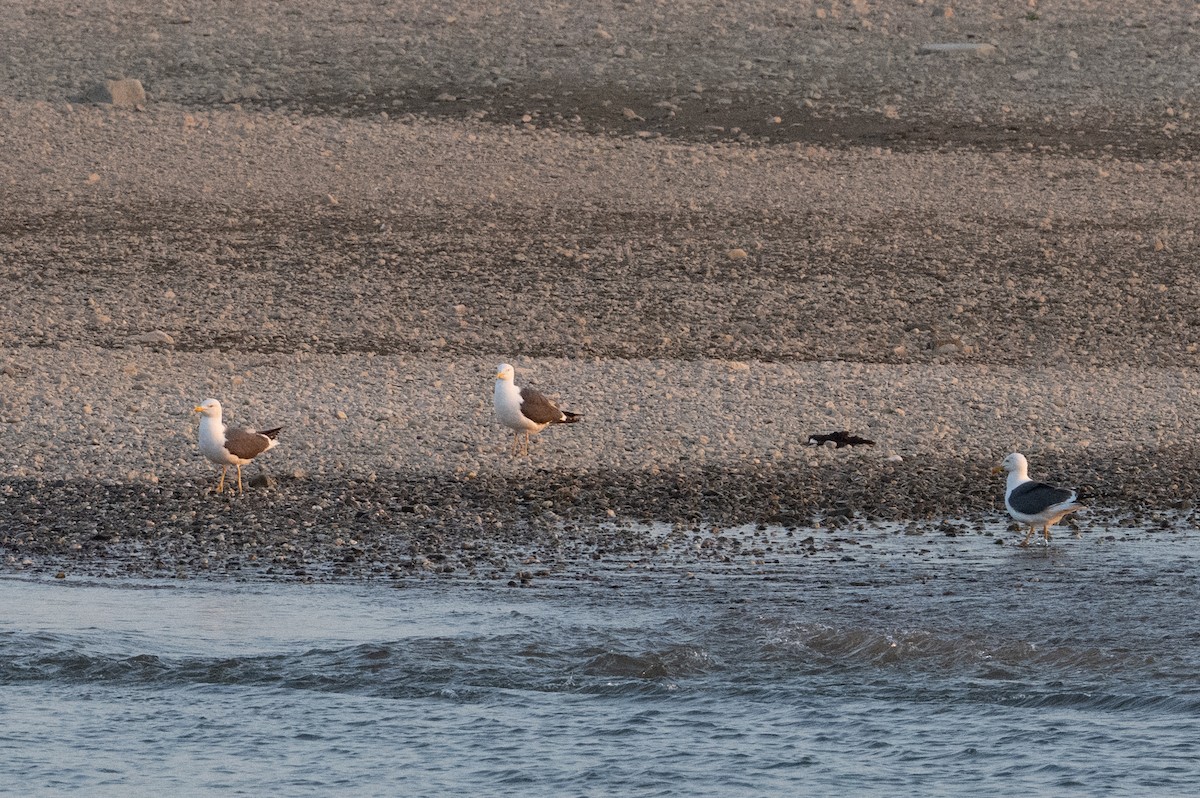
pixel 955 48
pixel 261 481
pixel 947 346
pixel 1025 75
pixel 737 254
pixel 126 93
pixel 154 337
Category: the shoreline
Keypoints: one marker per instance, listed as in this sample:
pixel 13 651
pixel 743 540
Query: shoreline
pixel 511 527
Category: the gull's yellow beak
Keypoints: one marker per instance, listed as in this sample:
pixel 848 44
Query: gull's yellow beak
pixel 499 374
pixel 997 469
pixel 198 409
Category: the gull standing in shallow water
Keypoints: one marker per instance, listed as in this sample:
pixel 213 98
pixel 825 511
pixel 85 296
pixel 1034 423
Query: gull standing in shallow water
pixel 1034 503
pixel 230 447
pixel 524 410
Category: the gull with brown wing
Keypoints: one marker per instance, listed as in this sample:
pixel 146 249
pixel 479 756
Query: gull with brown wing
pixel 524 410
pixel 230 447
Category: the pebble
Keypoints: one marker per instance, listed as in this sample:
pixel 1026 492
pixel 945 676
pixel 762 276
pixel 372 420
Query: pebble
pixel 154 337
pixel 125 93
pixel 957 48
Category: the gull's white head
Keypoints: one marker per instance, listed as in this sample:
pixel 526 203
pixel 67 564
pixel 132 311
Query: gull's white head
pixel 504 372
pixel 1014 463
pixel 209 408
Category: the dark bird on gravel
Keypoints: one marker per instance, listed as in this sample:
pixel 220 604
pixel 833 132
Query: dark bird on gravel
pixel 840 439
pixel 1034 503
pixel 230 447
pixel 524 410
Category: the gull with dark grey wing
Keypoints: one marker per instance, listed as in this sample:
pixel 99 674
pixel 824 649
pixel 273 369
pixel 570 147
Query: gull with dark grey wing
pixel 1033 503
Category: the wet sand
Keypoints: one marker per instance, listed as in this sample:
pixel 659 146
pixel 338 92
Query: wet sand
pixel 360 212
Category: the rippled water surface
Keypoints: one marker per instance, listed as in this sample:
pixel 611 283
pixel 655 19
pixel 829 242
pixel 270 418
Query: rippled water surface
pixel 880 665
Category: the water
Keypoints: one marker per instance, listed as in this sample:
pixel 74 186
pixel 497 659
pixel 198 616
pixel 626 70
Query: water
pixel 885 665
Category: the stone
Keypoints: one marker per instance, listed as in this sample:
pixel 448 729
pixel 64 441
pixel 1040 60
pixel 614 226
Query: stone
pixel 737 254
pixel 950 345
pixel 154 337
pixel 125 93
pixel 957 48
pixel 262 481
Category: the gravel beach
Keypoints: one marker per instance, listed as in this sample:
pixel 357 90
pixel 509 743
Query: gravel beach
pixel 711 229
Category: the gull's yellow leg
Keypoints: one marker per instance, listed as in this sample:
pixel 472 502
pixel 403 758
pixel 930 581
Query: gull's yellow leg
pixel 1047 533
pixel 221 482
pixel 239 470
pixel 1028 537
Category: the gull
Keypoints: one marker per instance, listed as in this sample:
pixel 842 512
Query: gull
pixel 1032 503
pixel 524 410
pixel 230 447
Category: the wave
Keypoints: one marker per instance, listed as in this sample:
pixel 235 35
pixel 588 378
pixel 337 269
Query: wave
pixel 1100 700
pixel 450 667
pixel 763 658
pixel 671 663
pixel 822 646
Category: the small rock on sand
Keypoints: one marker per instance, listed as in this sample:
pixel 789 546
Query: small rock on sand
pixel 262 481
pixel 125 93
pixel 957 48
pixel 154 337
